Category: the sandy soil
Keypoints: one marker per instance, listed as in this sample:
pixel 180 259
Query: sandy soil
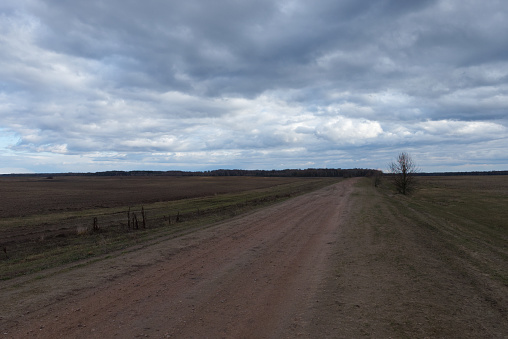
pixel 314 266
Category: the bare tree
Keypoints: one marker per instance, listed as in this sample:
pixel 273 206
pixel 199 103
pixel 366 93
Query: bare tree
pixel 403 170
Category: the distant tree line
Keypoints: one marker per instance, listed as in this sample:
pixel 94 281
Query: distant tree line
pixel 309 172
pixel 464 173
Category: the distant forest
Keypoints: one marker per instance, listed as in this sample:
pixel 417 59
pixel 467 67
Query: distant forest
pixel 310 172
pixel 464 173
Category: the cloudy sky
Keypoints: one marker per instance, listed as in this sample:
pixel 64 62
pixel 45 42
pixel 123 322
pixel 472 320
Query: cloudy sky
pixel 102 85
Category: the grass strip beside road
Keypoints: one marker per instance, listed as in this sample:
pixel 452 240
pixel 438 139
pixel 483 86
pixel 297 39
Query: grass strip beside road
pixel 41 242
pixel 469 214
pixel 432 264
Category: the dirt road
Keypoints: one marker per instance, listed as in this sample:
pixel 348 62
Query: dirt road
pixel 341 262
pixel 255 276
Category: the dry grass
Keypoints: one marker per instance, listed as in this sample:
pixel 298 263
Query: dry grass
pixel 431 265
pixel 469 214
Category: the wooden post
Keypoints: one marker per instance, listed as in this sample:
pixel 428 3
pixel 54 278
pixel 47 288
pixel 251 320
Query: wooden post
pixel 135 221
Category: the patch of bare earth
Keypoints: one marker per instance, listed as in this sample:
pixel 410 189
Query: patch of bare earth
pixel 336 263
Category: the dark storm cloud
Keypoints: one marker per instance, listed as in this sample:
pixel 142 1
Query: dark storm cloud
pixel 228 46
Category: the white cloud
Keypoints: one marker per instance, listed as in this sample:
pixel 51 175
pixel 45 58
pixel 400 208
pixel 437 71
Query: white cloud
pixel 348 131
pixel 469 129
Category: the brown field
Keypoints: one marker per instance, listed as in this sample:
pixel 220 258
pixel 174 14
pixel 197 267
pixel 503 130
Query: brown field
pixel 345 261
pixel 25 196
